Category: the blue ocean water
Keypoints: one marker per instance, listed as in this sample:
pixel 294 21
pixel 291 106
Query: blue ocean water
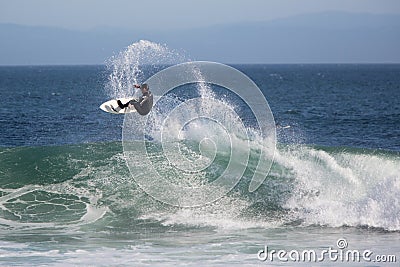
pixel 67 197
pixel 329 105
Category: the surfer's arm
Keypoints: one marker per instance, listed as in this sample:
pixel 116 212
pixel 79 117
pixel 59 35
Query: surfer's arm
pixel 144 99
pixel 139 102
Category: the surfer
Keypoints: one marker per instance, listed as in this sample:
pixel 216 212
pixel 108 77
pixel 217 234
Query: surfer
pixel 145 102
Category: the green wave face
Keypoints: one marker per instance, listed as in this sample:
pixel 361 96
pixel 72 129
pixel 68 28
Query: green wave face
pixel 90 184
pixel 56 186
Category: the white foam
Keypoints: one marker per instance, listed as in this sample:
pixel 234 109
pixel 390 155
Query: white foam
pixel 344 188
pixel 224 214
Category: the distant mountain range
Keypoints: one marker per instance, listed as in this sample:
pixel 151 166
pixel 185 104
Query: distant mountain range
pixel 330 37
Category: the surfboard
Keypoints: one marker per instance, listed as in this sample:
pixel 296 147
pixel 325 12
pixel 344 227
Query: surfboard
pixel 111 106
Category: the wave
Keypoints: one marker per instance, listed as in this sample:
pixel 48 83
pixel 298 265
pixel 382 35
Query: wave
pixel 91 184
pixel 73 185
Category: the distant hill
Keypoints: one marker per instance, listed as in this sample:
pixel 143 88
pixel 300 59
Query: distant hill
pixel 330 37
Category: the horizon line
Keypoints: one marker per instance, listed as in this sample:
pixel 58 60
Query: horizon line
pixel 270 63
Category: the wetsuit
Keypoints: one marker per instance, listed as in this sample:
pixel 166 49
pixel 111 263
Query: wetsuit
pixel 143 105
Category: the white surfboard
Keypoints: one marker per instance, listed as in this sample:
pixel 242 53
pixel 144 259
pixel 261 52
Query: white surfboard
pixel 111 106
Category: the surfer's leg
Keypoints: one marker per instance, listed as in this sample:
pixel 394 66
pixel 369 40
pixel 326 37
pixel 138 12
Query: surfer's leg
pixel 113 108
pixel 122 105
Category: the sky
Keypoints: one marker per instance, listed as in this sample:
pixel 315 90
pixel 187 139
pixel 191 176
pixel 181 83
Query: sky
pixel 281 31
pixel 172 14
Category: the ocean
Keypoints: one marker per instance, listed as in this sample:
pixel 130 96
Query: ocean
pixel 68 198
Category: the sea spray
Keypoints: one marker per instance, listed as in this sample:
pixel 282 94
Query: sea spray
pixel 127 67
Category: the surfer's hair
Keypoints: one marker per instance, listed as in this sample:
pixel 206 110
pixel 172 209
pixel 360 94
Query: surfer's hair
pixel 145 86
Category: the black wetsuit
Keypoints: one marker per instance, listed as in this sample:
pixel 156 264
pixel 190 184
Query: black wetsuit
pixel 143 105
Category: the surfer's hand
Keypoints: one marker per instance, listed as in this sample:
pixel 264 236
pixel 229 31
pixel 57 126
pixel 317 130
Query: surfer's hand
pixel 133 101
pixel 137 86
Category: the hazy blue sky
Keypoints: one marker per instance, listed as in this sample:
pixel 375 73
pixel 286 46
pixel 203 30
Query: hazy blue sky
pixel 229 31
pixel 171 14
